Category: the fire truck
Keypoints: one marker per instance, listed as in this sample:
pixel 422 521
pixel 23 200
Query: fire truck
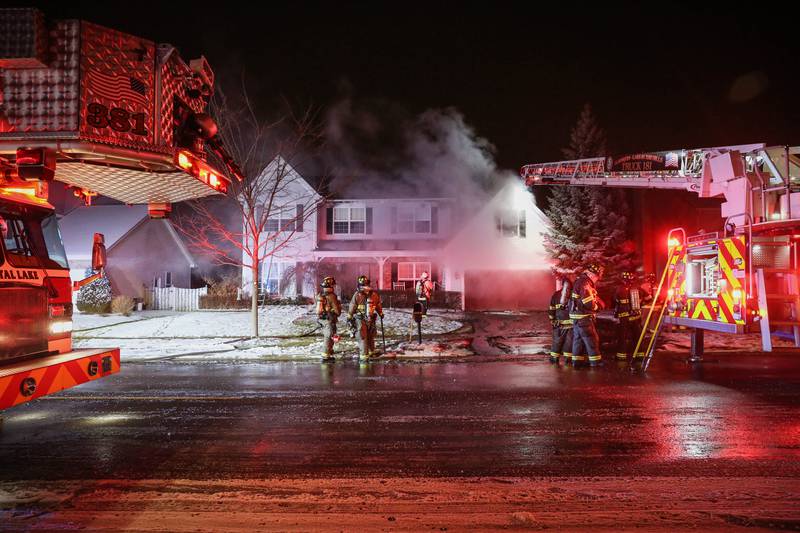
pixel 103 112
pixel 740 279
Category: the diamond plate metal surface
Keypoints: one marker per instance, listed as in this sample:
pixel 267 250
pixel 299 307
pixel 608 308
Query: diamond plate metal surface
pixel 44 100
pixel 110 57
pixel 133 186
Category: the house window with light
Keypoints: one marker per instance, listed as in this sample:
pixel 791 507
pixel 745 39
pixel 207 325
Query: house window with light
pixel 511 223
pixel 349 220
pixel 272 273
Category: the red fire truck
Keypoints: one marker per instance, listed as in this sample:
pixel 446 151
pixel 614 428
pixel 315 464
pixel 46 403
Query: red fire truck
pixel 106 113
pixel 739 279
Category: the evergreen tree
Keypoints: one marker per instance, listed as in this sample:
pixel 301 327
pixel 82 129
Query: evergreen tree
pixel 96 296
pixel 589 224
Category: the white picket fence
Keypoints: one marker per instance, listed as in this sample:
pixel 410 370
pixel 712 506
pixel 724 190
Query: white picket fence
pixel 175 299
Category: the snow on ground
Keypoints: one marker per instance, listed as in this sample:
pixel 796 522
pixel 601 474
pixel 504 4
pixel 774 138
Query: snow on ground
pixel 680 341
pixel 288 332
pixel 87 321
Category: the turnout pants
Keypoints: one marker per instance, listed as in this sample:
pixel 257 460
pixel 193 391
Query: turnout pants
pixel 585 342
pixel 562 344
pixel 366 329
pixel 628 332
pixel 328 331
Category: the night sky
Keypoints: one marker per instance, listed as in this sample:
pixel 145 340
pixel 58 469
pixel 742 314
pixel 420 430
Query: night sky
pixel 675 75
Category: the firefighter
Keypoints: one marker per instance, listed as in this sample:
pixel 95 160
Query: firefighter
pixel 365 307
pixel 583 306
pixel 328 310
pixel 628 311
pixel 562 324
pixel 424 290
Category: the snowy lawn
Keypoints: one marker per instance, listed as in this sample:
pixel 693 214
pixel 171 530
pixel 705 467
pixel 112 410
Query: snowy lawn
pixel 287 332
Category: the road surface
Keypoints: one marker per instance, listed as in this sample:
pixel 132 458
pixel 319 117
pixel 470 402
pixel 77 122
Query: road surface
pixel 491 442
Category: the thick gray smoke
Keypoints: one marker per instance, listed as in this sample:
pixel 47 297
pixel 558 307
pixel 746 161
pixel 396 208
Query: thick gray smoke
pixel 378 149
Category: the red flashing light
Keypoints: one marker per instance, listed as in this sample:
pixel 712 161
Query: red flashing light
pixel 202 171
pixel 185 161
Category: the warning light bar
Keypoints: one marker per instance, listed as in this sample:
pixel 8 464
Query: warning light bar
pixel 202 171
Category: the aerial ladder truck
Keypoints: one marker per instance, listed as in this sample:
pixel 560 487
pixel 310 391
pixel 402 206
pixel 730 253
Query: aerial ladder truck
pixel 740 279
pixel 106 113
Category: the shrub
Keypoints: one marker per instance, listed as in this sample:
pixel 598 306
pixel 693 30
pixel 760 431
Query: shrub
pixel 95 297
pixel 122 305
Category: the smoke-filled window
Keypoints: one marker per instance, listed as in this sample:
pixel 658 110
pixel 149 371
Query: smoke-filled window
pixel 414 218
pixel 511 223
pixel 349 220
pixel 411 271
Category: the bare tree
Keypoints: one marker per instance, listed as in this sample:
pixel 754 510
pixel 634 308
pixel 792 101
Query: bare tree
pixel 265 200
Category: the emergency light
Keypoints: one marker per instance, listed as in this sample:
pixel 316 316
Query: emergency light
pixel 36 164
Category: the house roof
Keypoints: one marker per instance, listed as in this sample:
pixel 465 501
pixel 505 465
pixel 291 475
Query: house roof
pixel 113 221
pixel 478 246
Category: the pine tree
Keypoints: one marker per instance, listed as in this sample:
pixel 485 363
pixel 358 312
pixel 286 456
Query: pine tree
pixel 589 224
pixel 96 296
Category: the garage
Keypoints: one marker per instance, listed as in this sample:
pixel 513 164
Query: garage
pixel 491 290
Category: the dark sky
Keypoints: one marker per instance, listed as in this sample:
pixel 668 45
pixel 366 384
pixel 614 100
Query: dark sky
pixel 675 75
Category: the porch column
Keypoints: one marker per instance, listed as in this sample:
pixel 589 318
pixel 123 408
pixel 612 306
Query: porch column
pixel 381 264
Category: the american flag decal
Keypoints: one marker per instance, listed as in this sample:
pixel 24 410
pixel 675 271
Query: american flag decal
pixel 116 88
pixel 671 160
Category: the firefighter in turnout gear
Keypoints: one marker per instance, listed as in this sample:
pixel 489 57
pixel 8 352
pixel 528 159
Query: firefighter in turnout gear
pixel 628 310
pixel 328 310
pixel 424 291
pixel 583 306
pixel 562 324
pixel 365 307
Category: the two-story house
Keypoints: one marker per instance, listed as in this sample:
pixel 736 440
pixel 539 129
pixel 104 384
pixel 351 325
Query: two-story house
pixel 492 255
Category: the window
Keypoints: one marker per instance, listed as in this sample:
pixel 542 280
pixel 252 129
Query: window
pixel 32 241
pixel 411 271
pixel 168 279
pixel 349 220
pixel 512 224
pixel 274 225
pixel 272 273
pixel 413 218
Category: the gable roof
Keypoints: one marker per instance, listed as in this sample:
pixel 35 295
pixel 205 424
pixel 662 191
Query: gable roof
pixel 478 246
pixel 114 221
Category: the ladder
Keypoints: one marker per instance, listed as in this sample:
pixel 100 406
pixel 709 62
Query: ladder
pixel 651 328
pixel 788 295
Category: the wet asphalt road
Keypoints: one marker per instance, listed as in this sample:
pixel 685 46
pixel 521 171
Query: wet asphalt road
pixel 514 416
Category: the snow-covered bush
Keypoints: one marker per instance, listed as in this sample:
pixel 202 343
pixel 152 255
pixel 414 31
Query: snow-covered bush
pixel 95 297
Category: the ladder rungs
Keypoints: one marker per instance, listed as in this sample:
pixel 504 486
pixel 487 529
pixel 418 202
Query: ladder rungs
pixel 784 322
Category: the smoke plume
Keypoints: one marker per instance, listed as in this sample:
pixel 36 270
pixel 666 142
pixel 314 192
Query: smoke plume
pixel 378 149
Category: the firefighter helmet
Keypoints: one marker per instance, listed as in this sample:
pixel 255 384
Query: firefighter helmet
pixel 423 276
pixel 328 282
pixel 363 281
pixel 595 268
pixel 628 276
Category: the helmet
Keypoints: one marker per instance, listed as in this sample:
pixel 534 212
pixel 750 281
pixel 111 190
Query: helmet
pixel 363 281
pixel 595 268
pixel 423 276
pixel 628 276
pixel 328 282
